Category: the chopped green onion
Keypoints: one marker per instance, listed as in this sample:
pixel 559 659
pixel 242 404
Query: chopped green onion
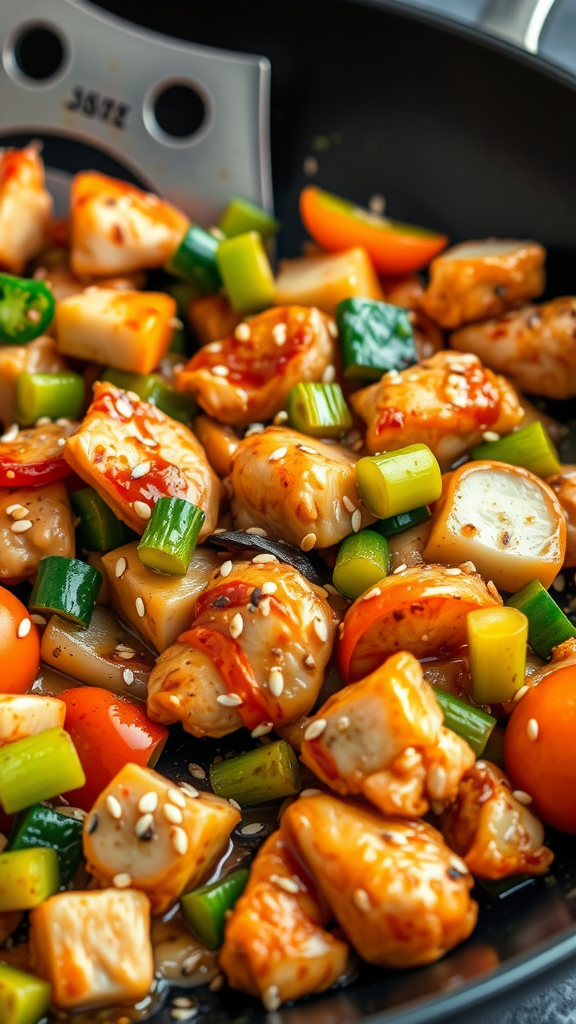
pixel 205 909
pixel 24 999
pixel 399 481
pixel 547 624
pixel 150 387
pixel 404 521
pixel 318 409
pixel 241 216
pixel 246 273
pixel 99 529
pixel 530 447
pixel 376 337
pixel 363 560
pixel 66 586
pixel 38 768
pixel 471 723
pixel 195 260
pixel 48 394
pixel 44 826
pixel 266 773
pixel 170 537
pixel 497 639
pixel 27 878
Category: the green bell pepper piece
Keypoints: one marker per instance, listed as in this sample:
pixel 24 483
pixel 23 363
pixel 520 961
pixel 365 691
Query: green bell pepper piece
pixel 376 337
pixel 43 826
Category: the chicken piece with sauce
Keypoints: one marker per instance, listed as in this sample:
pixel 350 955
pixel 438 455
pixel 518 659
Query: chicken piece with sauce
pixel 449 401
pixel 246 376
pixel 495 833
pixel 254 655
pixel 384 737
pixel 34 522
pixel 25 207
pixel 296 488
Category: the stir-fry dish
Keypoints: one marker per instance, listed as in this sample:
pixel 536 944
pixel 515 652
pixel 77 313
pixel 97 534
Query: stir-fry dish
pixel 312 510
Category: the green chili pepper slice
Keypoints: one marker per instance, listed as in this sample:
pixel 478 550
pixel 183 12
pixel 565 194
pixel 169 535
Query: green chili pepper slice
pixel 26 309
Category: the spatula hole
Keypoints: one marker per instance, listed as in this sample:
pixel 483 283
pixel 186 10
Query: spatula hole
pixel 177 112
pixel 38 52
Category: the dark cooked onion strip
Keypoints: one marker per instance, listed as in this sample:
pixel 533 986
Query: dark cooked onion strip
pixel 238 541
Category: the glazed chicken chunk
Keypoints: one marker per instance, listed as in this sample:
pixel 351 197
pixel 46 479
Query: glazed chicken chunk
pixel 535 346
pixel 25 207
pixel 50 531
pixel 245 377
pixel 383 737
pixel 296 488
pixel 255 653
pixel 474 280
pixel 564 487
pixel 493 832
pixel 449 401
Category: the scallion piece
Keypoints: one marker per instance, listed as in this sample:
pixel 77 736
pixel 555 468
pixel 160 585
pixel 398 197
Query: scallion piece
pixel 399 481
pixel 246 273
pixel 169 540
pixel 547 624
pixel 404 521
pixel 266 773
pixel 205 909
pixel 497 639
pixel 24 999
pixel 471 723
pixel 44 826
pixel 48 394
pixel 363 560
pixel 99 529
pixel 151 388
pixel 195 260
pixel 67 587
pixel 530 447
pixel 241 216
pixel 38 768
pixel 376 337
pixel 318 409
pixel 28 878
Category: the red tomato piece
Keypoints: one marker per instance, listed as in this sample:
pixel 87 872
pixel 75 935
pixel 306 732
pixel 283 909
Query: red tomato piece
pixel 19 656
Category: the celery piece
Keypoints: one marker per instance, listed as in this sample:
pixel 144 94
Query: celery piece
pixel 497 639
pixel 246 273
pixel 404 521
pixel 24 999
pixel 319 410
pixel 547 624
pixel 195 260
pixel 66 586
pixel 266 773
pixel 170 537
pixel 27 877
pixel 530 447
pixel 48 394
pixel 44 826
pixel 376 337
pixel 38 768
pixel 363 560
pixel 241 216
pixel 471 723
pixel 99 529
pixel 205 909
pixel 398 481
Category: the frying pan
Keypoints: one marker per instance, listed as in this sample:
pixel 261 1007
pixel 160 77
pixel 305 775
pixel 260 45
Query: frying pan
pixel 462 132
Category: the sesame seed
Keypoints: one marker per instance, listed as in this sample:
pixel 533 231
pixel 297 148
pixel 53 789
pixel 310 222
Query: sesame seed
pixel 271 996
pixel 148 802
pixel 182 1001
pixel 287 884
pixel 280 334
pixel 375 592
pixel 321 630
pixel 40 620
pixel 24 628
pixel 190 791
pixel 492 590
pixel 257 531
pixel 183 1013
pixel 127 656
pixel 437 780
pixel 179 840
pixel 226 568
pixel 348 505
pixel 22 526
pixel 120 567
pixel 140 470
pixel 175 797
pixel 356 520
pixel 308 542
pixel 454 572
pixel 123 408
pixel 42 421
pixel 305 448
pixel 532 729
pixel 559 583
pixel 242 332
pixel 140 607
pixel 122 881
pixel 315 729
pixel 61 442
pixel 264 606
pixel 128 675
pixel 521 796
pixel 229 700
pixel 236 626
pixel 340 630
pixel 148 442
pixel 17 511
pixel 172 814
pixel 143 824
pixel 361 900
pixel 269 588
pixel 262 730
pixel 329 374
pixel 280 418
pixel 397 838
pixel 114 807
pixel 219 370
pixel 309 661
pixel 468 567
pixel 174 699
pixel 196 771
pixel 264 558
pixel 235 804
pixel 254 428
pixel 310 792
pixel 520 693
pixel 332 328
pixel 343 723
pixel 490 435
pixel 279 453
pixel 276 681
pixel 11 434
pixel 252 829
pixel 400 569
pixel 142 509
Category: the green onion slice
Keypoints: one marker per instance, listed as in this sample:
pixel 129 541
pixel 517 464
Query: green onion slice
pixel 270 772
pixel 547 624
pixel 398 481
pixel 363 560
pixel 319 410
pixel 530 447
pixel 170 537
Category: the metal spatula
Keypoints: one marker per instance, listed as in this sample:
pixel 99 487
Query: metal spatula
pixel 188 122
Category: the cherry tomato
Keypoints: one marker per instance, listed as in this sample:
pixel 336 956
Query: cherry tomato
pixel 545 767
pixel 108 731
pixel 19 656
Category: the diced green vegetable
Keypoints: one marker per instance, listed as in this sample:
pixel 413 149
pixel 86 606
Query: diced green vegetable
pixel 26 309
pixel 205 909
pixel 471 723
pixel 48 394
pixel 151 388
pixel 398 481
pixel 66 586
pixel 27 878
pixel 99 529
pixel 246 273
pixel 43 826
pixel 376 337
pixel 38 768
pixel 318 409
pixel 497 639
pixel 547 624
pixel 195 260
pixel 241 216
pixel 24 999
pixel 170 537
pixel 363 560
pixel 530 447
pixel 266 773
pixel 404 521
